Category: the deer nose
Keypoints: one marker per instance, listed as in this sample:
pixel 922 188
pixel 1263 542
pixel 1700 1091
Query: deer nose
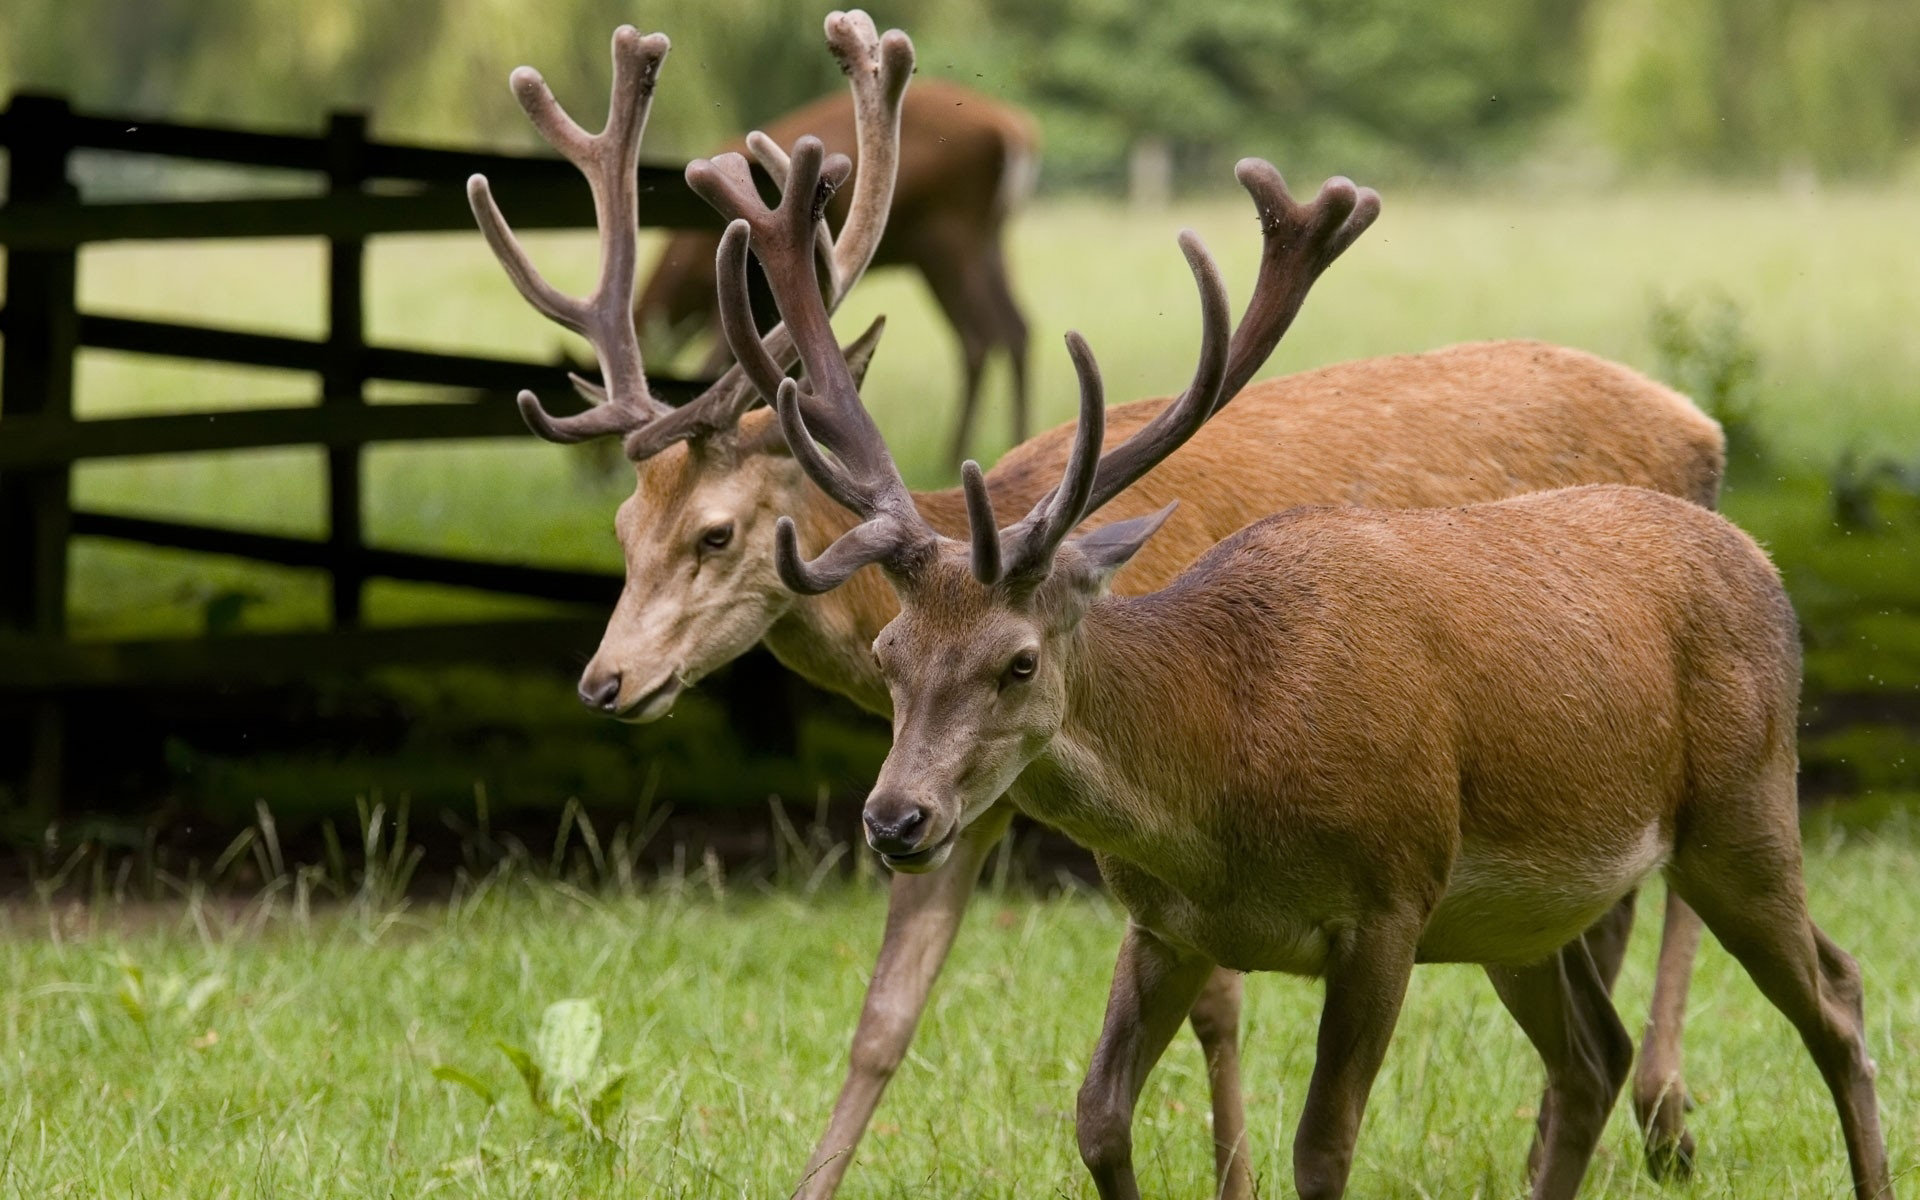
pixel 600 693
pixel 894 825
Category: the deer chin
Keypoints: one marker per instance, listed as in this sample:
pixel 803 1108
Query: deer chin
pixel 653 705
pixel 922 861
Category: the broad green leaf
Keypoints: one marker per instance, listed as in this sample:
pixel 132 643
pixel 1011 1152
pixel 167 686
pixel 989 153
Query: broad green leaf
pixel 606 1098
pixel 568 1043
pixel 529 1073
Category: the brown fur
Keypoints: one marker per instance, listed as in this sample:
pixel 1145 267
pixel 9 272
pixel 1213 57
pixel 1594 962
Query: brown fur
pixel 965 161
pixel 1466 423
pixel 1347 740
pixel 1461 424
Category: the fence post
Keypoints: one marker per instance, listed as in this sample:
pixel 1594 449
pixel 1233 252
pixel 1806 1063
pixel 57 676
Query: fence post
pixel 344 379
pixel 36 379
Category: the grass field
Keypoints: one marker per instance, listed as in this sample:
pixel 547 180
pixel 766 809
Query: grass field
pixel 215 1050
pixel 1815 278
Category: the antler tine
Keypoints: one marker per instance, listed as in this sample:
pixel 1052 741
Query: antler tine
pixel 609 160
pixel 878 68
pixel 1031 541
pixel 774 161
pixel 1092 478
pixel 892 534
pixel 982 528
pixel 782 238
pixel 1298 242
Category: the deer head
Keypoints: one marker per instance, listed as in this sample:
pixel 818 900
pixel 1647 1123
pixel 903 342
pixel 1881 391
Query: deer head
pixel 978 661
pixel 710 476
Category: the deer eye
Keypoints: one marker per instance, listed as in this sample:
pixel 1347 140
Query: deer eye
pixel 1021 668
pixel 718 537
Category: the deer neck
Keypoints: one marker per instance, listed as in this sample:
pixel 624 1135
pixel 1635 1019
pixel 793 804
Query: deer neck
pixel 1133 770
pixel 828 639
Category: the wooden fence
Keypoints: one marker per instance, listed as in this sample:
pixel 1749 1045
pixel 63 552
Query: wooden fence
pixel 370 188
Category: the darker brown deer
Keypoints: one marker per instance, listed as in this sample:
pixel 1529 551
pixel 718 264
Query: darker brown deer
pixel 966 162
pixel 1343 742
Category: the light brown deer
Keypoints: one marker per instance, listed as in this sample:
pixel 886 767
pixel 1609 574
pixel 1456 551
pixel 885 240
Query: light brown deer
pixel 1343 742
pixel 1453 426
pixel 966 162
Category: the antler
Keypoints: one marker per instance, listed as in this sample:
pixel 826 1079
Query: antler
pixel 878 68
pixel 610 161
pixel 1026 547
pixel 1298 243
pixel 861 476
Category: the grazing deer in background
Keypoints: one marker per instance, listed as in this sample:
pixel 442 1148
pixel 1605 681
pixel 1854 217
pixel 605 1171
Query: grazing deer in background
pixel 1343 742
pixel 966 161
pixel 1452 426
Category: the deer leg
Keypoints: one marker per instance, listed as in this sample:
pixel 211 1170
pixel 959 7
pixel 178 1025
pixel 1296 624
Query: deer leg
pixel 1216 1022
pixel 923 914
pixel 1367 971
pixel 1010 326
pixel 950 263
pixel 1660 1099
pixel 1606 943
pixel 1154 986
pixel 1561 1004
pixel 1749 891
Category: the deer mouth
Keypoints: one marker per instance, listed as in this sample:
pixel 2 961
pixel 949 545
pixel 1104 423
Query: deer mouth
pixel 923 860
pixel 654 704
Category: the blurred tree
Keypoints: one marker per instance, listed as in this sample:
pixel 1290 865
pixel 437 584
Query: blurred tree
pixel 1360 81
pixel 1829 86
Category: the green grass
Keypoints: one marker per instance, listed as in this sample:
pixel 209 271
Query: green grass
pixel 1815 278
pixel 303 1065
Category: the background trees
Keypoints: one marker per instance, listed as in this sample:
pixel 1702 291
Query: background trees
pixel 1395 88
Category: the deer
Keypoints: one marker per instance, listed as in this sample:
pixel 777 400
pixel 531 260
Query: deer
pixel 966 163
pixel 1451 426
pixel 1343 742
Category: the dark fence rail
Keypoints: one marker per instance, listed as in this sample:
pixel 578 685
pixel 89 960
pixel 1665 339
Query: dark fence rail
pixel 363 188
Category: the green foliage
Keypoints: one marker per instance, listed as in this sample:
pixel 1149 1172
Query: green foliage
pixel 739 1013
pixel 1828 86
pixel 1384 87
pixel 1706 352
pixel 563 1075
pixel 1377 83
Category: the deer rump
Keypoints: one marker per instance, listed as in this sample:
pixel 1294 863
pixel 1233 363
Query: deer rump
pixel 1522 696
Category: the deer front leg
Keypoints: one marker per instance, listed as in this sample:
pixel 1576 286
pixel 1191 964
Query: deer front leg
pixel 1367 971
pixel 923 914
pixel 1154 986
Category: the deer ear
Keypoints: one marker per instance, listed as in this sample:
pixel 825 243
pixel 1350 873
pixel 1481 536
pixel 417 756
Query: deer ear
pixel 859 353
pixel 1108 548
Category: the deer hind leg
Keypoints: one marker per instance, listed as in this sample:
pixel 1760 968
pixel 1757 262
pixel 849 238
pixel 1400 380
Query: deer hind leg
pixel 952 262
pixel 1660 1100
pixel 1746 885
pixel 1010 331
pixel 1216 1023
pixel 923 914
pixel 1562 1005
pixel 1154 987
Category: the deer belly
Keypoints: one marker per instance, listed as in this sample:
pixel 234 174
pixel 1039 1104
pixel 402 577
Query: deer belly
pixel 1507 907
pixel 1240 934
